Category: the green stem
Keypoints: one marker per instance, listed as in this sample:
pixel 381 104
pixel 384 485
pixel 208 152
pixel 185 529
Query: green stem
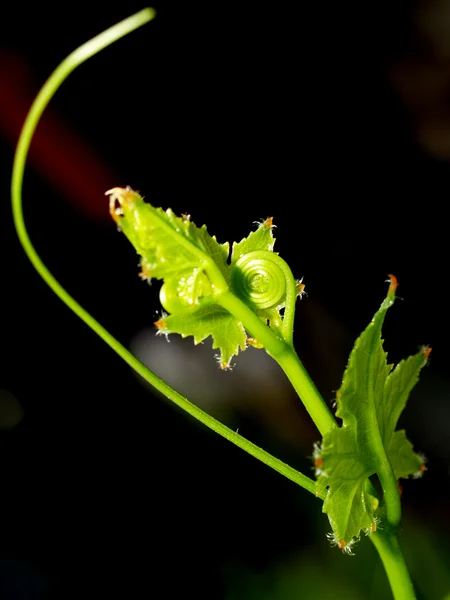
pixel 48 90
pixel 390 492
pixel 290 301
pixel 377 449
pixel 384 468
pixel 306 390
pixel 286 357
pixel 282 351
pixel 389 549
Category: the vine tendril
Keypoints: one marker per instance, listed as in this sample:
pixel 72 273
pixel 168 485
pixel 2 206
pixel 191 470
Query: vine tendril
pixel 41 101
pixel 259 280
pixel 263 280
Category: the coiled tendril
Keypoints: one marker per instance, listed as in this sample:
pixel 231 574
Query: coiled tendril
pixel 259 279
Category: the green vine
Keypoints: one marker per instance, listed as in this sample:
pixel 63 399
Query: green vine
pixel 43 98
pixel 247 296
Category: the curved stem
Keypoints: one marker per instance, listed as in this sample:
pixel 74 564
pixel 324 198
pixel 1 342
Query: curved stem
pixel 281 350
pixel 389 549
pixel 56 78
pixel 291 298
pixel 391 494
pixel 306 390
pixel 286 357
pixel 273 343
pixel 386 543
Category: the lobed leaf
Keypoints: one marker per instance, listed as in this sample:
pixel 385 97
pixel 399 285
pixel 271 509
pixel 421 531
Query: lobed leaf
pixel 369 402
pixel 228 334
pixel 195 270
pixel 167 244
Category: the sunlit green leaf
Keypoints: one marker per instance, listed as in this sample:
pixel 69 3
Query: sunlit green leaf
pixel 194 268
pixel 369 402
pixel 261 239
pixel 212 320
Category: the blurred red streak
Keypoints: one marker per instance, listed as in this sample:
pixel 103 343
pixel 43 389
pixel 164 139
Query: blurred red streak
pixel 57 152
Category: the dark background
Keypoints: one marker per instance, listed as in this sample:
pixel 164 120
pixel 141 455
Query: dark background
pixel 332 119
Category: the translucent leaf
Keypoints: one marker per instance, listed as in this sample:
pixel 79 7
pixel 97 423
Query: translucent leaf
pixel 166 243
pixel 228 334
pixel 195 270
pixel 261 239
pixel 369 402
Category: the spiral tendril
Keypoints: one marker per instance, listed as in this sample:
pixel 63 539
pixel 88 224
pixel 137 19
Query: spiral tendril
pixel 259 280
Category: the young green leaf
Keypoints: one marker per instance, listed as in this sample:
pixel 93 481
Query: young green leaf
pixel 369 402
pixel 168 245
pixel 196 272
pixel 261 239
pixel 228 334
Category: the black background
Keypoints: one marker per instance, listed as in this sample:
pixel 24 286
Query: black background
pixel 232 115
